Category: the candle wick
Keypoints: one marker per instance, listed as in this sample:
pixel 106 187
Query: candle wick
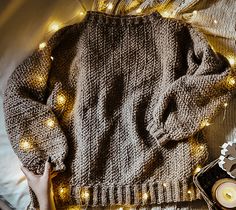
pixel 228 195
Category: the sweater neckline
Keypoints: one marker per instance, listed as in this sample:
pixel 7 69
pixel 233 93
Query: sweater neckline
pixel 103 18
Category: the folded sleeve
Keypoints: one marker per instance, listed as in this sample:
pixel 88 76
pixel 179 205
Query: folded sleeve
pixel 33 128
pixel 192 100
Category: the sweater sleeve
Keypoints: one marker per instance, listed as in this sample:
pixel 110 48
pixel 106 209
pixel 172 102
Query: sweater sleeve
pixel 191 101
pixel 32 126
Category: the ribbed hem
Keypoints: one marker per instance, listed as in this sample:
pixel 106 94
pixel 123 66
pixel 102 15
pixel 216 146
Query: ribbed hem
pixel 111 19
pixel 158 133
pixel 147 194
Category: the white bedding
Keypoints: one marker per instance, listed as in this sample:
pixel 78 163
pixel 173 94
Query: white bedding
pixel 13 185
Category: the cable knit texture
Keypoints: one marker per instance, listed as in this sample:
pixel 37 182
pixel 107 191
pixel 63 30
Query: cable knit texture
pixel 114 101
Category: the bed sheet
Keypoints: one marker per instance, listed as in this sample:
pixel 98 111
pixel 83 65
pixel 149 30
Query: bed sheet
pixel 13 185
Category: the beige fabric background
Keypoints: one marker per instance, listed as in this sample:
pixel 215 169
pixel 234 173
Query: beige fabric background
pixel 25 23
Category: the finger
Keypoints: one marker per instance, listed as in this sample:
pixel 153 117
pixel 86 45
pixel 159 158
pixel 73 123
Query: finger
pixel 27 173
pixel 47 168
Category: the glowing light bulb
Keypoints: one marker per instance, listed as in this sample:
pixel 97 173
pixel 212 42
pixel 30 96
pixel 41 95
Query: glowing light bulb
pixel 166 14
pixel 50 123
pixel 145 196
pixel 42 45
pixel 85 195
pixel 232 60
pixel 189 192
pixel 195 12
pixel 63 192
pixel 138 10
pixel 54 26
pixel 225 104
pixel 39 78
pixel 205 123
pixel 61 99
pixel 201 147
pixel 164 184
pixel 80 13
pixel 109 6
pixel 51 58
pixel 197 170
pixel 215 21
pixel 25 144
pixel 231 81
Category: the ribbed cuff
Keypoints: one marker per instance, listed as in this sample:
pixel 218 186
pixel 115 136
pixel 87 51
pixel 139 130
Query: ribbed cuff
pixel 59 166
pixel 33 164
pixel 36 165
pixel 158 133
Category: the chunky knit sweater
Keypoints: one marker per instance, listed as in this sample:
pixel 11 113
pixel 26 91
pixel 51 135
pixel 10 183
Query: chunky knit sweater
pixel 118 103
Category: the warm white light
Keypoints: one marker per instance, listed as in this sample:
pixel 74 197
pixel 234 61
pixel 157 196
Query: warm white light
pixel 215 21
pixel 145 196
pixel 164 184
pixel 166 14
pixel 189 192
pixel 198 169
pixel 205 123
pixel 42 45
pixel 54 26
pixel 39 78
pixel 195 12
pixel 109 6
pixel 51 58
pixel 80 13
pixel 121 208
pixel 61 99
pixel 138 10
pixel 201 147
pixel 50 123
pixel 232 60
pixel 63 192
pixel 225 104
pixel 25 144
pixel 231 81
pixel 85 195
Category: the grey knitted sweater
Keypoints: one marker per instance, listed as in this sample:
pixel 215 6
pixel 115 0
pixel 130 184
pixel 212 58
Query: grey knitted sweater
pixel 117 102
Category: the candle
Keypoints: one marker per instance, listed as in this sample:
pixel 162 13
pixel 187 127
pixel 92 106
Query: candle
pixel 224 193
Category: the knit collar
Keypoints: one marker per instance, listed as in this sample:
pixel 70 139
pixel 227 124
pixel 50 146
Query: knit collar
pixel 111 19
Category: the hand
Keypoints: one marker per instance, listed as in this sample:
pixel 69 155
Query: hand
pixel 42 186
